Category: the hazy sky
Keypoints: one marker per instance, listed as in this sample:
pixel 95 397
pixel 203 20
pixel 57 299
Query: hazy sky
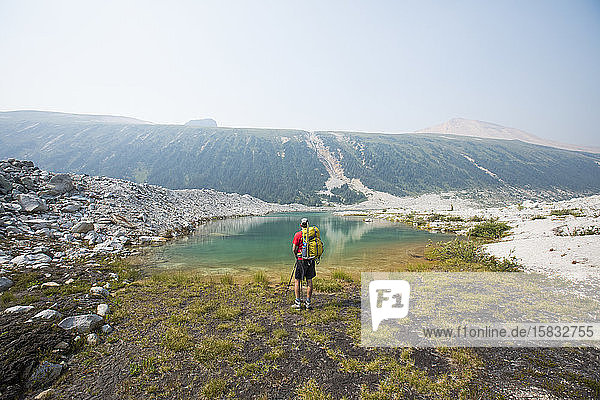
pixel 393 66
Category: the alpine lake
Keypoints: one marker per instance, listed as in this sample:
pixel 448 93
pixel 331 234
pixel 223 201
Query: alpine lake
pixel 242 246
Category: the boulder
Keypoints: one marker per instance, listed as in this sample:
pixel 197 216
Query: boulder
pixel 102 310
pixel 31 203
pixel 81 323
pixel 5 284
pixel 18 309
pixel 83 227
pixel 48 315
pixel 99 291
pixel 60 184
pixel 44 374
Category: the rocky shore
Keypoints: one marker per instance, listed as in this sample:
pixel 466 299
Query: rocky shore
pixel 61 236
pixel 557 238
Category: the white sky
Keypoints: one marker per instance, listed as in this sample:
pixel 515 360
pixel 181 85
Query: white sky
pixel 393 66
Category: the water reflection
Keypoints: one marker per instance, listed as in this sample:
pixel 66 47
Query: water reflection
pixel 265 243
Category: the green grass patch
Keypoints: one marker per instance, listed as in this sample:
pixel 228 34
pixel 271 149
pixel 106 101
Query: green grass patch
pixel 310 390
pixel 489 230
pixel 466 255
pixel 177 338
pixel 327 285
pixel 227 279
pixel 214 389
pixel 566 211
pixel 213 348
pixel 227 313
pixel 260 278
pixel 342 275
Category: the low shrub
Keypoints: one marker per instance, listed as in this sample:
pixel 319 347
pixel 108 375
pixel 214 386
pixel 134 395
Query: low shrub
pixel 489 230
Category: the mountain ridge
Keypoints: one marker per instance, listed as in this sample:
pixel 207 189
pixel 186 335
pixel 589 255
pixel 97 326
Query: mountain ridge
pixel 296 166
pixel 489 130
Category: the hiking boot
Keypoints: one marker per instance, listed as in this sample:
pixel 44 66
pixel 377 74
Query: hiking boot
pixel 307 304
pixel 297 305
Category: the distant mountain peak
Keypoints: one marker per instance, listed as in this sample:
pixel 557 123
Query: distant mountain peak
pixel 489 130
pixel 204 123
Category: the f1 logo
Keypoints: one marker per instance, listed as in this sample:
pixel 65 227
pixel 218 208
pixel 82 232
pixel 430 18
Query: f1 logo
pixel 389 300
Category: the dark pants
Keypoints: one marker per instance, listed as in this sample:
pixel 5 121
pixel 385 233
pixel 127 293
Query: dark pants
pixel 305 269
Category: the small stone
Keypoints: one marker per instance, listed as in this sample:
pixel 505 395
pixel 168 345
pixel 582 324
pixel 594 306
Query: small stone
pixel 46 394
pixel 62 346
pixel 48 315
pixel 81 323
pixel 102 310
pixel 92 339
pixel 69 281
pixel 107 329
pixel 71 208
pixel 5 284
pixel 83 227
pixel 18 309
pixel 50 284
pixel 99 291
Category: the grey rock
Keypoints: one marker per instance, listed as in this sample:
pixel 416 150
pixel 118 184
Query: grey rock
pixel 12 207
pixel 31 203
pixel 99 291
pixel 92 339
pixel 83 227
pixel 5 284
pixel 109 246
pixel 48 315
pixel 40 258
pixel 81 323
pixel 62 346
pixel 44 374
pixel 60 184
pixel 18 309
pixel 71 208
pixel 46 394
pixel 107 329
pixel 5 186
pixel 102 310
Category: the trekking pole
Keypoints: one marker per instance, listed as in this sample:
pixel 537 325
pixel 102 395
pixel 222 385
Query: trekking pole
pixel 293 270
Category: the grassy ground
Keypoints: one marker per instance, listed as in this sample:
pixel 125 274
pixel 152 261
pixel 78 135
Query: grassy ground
pixel 181 336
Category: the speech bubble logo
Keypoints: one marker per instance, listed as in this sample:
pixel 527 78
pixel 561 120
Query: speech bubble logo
pixel 389 300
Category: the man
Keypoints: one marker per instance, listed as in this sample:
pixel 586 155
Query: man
pixel 305 269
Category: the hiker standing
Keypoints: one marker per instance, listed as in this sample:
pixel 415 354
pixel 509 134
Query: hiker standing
pixel 306 247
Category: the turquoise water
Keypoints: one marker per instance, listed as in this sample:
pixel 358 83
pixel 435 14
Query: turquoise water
pixel 251 243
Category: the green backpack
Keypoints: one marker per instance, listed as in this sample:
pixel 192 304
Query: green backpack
pixel 313 246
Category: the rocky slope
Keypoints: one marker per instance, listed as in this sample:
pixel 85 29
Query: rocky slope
pixel 59 235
